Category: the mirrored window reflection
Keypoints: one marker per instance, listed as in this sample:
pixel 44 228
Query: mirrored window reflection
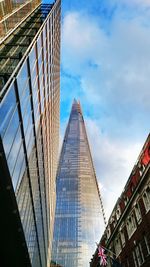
pixel 33 75
pixel 19 169
pixel 42 180
pixel 26 213
pixel 39 45
pixel 29 138
pixel 36 199
pixel 22 78
pixel 14 151
pixel 11 132
pixel 6 110
pixel 40 62
pixel 32 58
pixel 25 101
pixel 12 12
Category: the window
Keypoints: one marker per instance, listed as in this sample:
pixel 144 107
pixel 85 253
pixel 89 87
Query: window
pixel 146 198
pixel 32 58
pixel 114 222
pixel 108 232
pixel 7 108
pixel 131 225
pixel 128 263
pixel 147 244
pixel 138 255
pixel 117 246
pixel 135 259
pixel 122 237
pixel 22 78
pixel 138 212
pixel 118 212
pixel 126 200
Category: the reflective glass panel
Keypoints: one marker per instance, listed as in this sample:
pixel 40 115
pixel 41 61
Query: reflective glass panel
pixel 6 109
pixel 18 167
pixel 11 132
pixel 22 78
pixel 14 151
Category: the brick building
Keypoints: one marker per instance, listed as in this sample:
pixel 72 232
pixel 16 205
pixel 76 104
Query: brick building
pixel 127 234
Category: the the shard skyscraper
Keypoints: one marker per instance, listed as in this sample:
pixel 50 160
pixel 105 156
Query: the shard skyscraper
pixel 77 217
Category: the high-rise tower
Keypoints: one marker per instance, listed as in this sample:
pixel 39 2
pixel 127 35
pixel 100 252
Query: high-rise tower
pixel 29 130
pixel 13 12
pixel 77 217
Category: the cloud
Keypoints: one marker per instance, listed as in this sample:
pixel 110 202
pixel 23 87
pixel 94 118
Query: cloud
pixel 113 163
pixel 79 37
pixel 113 68
pixel 145 3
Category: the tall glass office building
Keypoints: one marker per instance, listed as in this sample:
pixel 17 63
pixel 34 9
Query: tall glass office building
pixel 29 130
pixel 77 217
pixel 13 12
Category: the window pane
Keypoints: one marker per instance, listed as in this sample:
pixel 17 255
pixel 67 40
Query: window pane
pixel 27 118
pixel 22 78
pixel 7 109
pixel 24 99
pixel 32 58
pixel 14 152
pixel 39 45
pixel 34 75
pixel 18 167
pixel 11 133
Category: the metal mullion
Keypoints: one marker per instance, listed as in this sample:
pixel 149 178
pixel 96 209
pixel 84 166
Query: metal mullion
pixel 42 143
pixel 32 26
pixel 25 35
pixel 16 44
pixel 30 22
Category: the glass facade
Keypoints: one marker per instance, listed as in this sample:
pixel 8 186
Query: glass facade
pixel 77 217
pixel 15 48
pixel 29 123
pixel 12 12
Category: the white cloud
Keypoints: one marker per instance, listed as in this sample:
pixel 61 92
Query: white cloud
pixel 79 36
pixel 113 161
pixel 114 68
pixel 143 3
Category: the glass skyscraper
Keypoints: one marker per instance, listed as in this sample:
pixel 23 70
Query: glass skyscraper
pixel 13 12
pixel 77 217
pixel 29 130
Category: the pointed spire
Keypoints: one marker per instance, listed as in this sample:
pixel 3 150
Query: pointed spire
pixel 75 101
pixel 76 105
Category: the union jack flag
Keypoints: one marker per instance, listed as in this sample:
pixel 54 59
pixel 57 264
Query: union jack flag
pixel 102 255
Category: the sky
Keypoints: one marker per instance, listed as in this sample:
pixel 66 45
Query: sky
pixel 105 63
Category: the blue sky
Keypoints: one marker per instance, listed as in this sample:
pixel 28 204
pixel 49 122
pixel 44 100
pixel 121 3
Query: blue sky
pixel 105 63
